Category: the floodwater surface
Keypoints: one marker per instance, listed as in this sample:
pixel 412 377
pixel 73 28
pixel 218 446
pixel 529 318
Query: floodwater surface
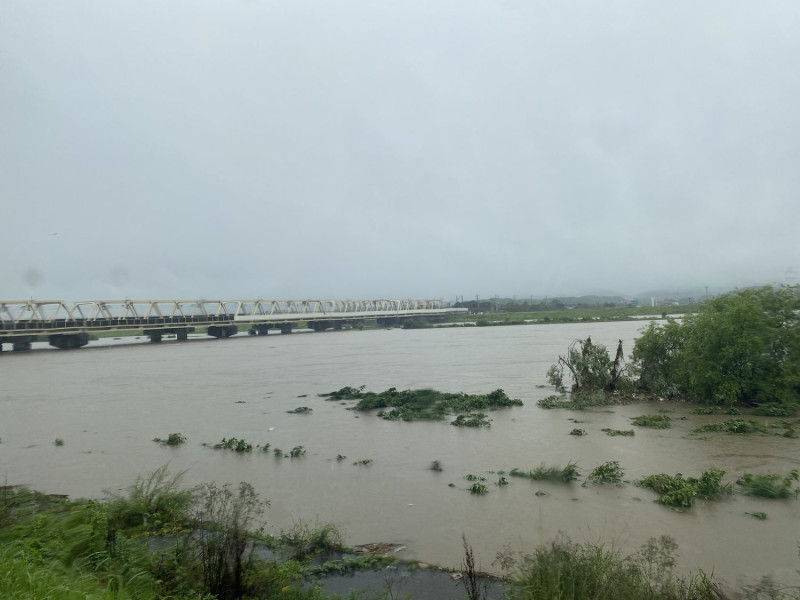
pixel 108 403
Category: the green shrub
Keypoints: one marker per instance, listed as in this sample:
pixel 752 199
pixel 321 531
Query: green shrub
pixel 478 488
pixel 674 490
pixel 424 404
pixel 732 426
pixel 652 421
pixel 578 432
pixel 608 472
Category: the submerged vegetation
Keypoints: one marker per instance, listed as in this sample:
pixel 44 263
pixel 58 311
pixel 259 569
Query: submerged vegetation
pixel 412 405
pixel 552 473
pixel 732 426
pixel 608 472
pixel 770 485
pixel 652 421
pixel 615 432
pixel 472 420
pixel 674 490
pixel 173 439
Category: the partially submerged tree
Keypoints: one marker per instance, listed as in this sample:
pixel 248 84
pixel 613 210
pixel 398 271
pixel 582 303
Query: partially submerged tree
pixel 589 368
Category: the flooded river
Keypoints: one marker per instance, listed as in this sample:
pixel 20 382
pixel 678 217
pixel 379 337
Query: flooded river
pixel 108 403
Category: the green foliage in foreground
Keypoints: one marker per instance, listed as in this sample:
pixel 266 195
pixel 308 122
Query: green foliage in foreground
pixel 674 490
pixel 545 473
pixel 567 570
pixel 740 347
pixel 412 405
pixel 157 541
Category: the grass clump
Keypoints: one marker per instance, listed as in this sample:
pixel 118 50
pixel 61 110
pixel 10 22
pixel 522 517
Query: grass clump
pixel 579 399
pixel 732 426
pixel 652 421
pixel 173 439
pixel 301 410
pixel 423 404
pixel 608 472
pixel 306 539
pixel 705 410
pixel 568 570
pixel 436 465
pixel 770 485
pixel 675 491
pixel 297 452
pixel 761 516
pixel 545 473
pixel 578 432
pixel 59 442
pixel 472 420
pixel 614 432
pixel 364 462
pixel 775 410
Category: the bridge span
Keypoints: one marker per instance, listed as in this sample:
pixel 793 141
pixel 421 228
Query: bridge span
pixel 69 326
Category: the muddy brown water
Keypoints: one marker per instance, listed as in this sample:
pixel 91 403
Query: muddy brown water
pixel 108 403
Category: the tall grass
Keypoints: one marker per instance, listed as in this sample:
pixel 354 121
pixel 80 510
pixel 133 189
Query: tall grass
pixel 552 473
pixel 570 571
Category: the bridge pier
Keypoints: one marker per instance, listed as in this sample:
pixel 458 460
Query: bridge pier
pixel 23 344
pixel 286 328
pixel 68 340
pixel 156 335
pixel 222 331
pixel 259 329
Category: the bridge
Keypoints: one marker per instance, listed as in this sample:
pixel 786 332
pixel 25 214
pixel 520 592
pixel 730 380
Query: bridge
pixel 69 326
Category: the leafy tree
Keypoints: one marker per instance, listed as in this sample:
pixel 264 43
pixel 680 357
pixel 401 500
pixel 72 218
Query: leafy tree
pixel 657 358
pixel 589 368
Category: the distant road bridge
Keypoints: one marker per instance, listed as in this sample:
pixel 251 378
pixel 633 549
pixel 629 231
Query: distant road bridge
pixel 65 326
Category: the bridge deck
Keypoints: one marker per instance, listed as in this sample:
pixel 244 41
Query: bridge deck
pixel 49 317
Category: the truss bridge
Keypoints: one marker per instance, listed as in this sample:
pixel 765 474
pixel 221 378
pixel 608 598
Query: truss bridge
pixel 70 326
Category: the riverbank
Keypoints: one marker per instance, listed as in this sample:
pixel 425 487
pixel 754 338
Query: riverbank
pixel 108 406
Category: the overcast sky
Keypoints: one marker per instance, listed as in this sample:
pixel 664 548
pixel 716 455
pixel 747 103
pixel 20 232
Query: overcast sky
pixel 416 148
